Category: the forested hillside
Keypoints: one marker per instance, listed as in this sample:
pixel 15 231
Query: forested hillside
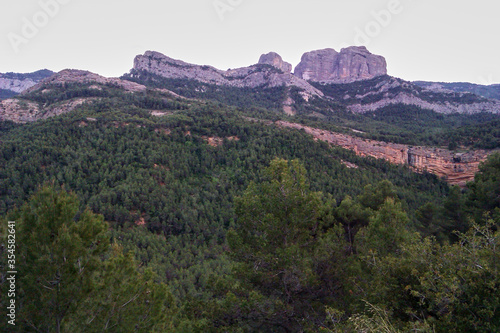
pixel 138 212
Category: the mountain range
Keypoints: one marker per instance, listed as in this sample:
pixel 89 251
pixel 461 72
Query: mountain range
pixel 325 81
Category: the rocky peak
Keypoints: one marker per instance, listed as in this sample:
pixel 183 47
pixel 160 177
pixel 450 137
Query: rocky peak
pixel 274 59
pixel 350 64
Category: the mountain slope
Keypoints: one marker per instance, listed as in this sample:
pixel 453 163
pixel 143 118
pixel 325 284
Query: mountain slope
pixel 69 89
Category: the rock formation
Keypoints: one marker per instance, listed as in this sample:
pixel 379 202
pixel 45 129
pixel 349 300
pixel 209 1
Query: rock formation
pixel 245 77
pixel 351 64
pixel 455 168
pixel 20 111
pixel 18 83
pixel 274 59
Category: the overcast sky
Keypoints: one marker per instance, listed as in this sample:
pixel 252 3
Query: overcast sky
pixel 432 40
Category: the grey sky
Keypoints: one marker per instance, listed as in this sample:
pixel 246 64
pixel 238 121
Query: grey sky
pixel 433 40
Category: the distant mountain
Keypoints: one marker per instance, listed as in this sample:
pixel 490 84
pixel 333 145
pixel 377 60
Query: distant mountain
pixel 488 91
pixel 12 84
pixel 325 83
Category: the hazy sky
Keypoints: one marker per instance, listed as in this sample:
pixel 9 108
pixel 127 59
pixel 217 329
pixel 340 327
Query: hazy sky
pixel 433 40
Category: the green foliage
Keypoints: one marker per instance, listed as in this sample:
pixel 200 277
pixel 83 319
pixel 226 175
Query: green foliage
pixel 309 244
pixel 271 98
pixel 64 283
pixel 484 192
pixel 278 221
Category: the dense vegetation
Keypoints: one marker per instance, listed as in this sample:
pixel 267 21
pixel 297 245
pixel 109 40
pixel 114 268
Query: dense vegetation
pixel 4 94
pixel 301 263
pixel 264 97
pixel 397 123
pixel 253 228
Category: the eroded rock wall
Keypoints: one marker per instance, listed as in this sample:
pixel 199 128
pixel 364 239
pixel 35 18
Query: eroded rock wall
pixel 455 168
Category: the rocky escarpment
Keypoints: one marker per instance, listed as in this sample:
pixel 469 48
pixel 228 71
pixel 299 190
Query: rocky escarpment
pixel 455 168
pixel 349 65
pixel 269 73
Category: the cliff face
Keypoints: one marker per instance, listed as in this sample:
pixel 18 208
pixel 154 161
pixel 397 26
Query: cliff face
pixel 455 168
pixel 349 65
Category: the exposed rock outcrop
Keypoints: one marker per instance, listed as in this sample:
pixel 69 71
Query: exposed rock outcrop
pixel 455 168
pixel 487 91
pixel 274 59
pixel 17 83
pixel 349 65
pixel 252 77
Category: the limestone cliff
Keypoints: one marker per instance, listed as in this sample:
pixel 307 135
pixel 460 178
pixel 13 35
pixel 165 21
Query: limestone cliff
pixel 349 65
pixel 455 168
